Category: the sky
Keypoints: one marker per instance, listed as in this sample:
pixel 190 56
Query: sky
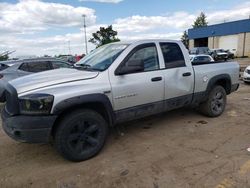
pixel 53 27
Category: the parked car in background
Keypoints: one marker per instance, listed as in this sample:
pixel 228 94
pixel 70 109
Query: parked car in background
pixel 14 69
pixel 68 58
pixel 79 57
pixel 229 54
pixel 199 50
pixel 246 75
pixel 200 59
pixel 5 64
pixel 218 54
pixel 117 82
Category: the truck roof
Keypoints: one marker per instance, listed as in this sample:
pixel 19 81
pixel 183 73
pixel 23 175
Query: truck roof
pixel 146 40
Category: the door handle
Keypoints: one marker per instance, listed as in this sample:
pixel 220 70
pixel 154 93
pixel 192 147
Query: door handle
pixel 156 79
pixel 186 74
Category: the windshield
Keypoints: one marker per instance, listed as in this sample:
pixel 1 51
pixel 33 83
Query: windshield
pixel 101 58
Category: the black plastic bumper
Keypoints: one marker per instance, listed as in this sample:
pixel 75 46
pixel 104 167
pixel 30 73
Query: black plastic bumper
pixel 31 129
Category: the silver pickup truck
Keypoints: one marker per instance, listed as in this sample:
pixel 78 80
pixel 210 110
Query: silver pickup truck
pixel 115 83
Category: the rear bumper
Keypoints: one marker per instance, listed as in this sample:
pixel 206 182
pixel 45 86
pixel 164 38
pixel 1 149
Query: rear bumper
pixel 31 129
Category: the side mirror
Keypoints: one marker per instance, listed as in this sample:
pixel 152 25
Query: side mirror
pixel 131 66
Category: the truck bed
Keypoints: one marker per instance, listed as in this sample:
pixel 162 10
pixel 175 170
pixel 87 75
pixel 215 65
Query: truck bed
pixel 205 71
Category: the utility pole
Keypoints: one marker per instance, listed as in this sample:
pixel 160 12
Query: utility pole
pixel 69 47
pixel 85 33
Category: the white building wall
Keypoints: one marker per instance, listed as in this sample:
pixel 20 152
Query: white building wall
pixel 229 42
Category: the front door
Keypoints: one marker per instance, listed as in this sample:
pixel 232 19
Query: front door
pixel 141 93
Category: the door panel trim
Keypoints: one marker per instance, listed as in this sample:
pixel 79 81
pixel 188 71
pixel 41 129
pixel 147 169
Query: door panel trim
pixel 138 112
pixel 144 110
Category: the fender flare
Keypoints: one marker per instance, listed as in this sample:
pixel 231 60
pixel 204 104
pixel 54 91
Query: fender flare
pixel 203 96
pixel 85 99
pixel 217 78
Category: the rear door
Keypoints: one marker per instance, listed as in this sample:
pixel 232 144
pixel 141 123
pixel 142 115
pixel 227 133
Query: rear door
pixel 179 78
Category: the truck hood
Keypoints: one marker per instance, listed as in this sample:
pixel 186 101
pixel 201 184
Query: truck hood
pixel 49 78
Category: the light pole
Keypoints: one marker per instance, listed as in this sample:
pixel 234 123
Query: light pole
pixel 85 33
pixel 69 47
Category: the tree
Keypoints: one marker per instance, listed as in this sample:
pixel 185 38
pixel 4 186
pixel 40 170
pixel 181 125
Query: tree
pixel 184 39
pixel 104 36
pixel 200 21
pixel 4 57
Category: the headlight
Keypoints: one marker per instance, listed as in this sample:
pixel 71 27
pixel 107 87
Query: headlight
pixel 36 104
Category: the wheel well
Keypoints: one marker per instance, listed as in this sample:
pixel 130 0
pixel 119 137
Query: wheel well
pixel 225 83
pixel 96 106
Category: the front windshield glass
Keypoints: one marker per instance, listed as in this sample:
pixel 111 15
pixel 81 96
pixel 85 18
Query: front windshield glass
pixel 101 58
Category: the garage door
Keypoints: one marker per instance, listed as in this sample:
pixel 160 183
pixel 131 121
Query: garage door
pixel 229 42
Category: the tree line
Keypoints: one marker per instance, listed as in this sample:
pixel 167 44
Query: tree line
pixel 108 35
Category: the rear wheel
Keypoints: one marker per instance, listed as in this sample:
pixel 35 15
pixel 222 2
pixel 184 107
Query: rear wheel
pixel 216 102
pixel 81 135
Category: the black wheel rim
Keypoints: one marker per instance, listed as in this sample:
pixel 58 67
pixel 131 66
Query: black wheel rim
pixel 84 136
pixel 217 103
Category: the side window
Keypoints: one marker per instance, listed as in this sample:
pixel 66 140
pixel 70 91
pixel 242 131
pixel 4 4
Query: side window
pixel 58 64
pixel 24 67
pixel 203 59
pixel 206 59
pixel 147 55
pixel 39 66
pixel 173 55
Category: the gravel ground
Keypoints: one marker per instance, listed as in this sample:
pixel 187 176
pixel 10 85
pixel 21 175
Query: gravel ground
pixel 177 149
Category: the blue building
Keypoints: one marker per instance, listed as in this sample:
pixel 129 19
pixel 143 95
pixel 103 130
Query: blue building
pixel 233 36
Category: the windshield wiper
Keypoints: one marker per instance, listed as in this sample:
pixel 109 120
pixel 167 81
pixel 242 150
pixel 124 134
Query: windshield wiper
pixel 87 67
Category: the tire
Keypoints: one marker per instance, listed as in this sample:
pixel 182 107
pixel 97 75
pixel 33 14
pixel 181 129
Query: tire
pixel 216 102
pixel 81 135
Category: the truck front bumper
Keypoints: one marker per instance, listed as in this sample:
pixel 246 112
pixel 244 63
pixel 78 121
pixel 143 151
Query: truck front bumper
pixel 31 129
pixel 246 79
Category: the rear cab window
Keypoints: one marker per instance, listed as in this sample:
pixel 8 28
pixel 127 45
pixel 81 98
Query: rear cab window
pixel 172 54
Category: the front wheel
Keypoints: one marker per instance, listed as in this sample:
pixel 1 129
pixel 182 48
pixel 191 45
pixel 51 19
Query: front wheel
pixel 216 102
pixel 81 135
